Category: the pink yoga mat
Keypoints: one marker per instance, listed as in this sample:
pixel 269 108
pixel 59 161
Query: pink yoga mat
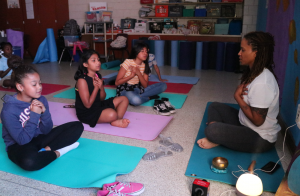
pixel 47 88
pixel 142 126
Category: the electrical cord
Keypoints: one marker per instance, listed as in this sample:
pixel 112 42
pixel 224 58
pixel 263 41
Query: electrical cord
pixel 227 191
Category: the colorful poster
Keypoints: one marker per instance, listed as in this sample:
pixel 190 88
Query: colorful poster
pixel 13 4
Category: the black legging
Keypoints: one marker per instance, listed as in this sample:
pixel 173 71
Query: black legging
pixel 27 156
pixel 228 131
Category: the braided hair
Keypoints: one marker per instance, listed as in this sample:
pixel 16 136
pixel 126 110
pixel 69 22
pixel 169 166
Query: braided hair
pixel 263 43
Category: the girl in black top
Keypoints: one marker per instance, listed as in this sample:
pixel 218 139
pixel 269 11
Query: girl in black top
pixel 91 106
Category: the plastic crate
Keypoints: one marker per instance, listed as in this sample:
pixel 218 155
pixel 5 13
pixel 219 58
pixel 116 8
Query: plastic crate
pixel 228 10
pixel 200 12
pixel 175 10
pixel 161 10
pixel 156 27
pixel 213 10
pixel 216 1
pixel 221 29
pixel 147 1
pixel 128 23
pixel 69 40
pixel 169 25
pixel 188 12
pixel 90 17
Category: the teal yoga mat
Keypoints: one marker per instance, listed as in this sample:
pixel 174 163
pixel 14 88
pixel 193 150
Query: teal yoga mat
pixel 200 162
pixel 89 165
pixel 112 65
pixel 177 100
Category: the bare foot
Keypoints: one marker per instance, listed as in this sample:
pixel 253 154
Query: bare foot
pixel 206 144
pixel 123 123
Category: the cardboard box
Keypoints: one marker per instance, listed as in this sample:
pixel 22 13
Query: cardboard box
pixel 98 6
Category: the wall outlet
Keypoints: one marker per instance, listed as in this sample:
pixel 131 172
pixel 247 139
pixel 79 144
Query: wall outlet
pixel 298 116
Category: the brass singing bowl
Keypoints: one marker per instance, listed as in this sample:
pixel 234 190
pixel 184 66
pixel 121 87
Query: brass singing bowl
pixel 220 163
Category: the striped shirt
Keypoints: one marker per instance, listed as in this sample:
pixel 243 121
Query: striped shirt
pixel 130 63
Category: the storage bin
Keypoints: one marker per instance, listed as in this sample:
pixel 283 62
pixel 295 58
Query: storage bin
pixel 216 1
pixel 235 27
pixel 69 40
pixel 147 1
pixel 175 1
pixel 221 29
pixel 156 27
pixel 222 21
pixel 17 50
pixel 188 12
pixel 169 25
pixel 200 12
pixel 204 0
pixel 191 1
pixel 161 10
pixel 228 10
pixel 175 10
pixel 213 10
pixel 90 17
pixel 128 23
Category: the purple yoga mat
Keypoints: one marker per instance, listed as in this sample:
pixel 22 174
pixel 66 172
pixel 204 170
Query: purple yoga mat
pixel 16 39
pixel 142 126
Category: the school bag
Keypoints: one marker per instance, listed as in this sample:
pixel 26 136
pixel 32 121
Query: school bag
pixel 71 27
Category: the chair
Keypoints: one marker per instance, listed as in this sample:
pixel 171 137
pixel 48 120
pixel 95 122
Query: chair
pixel 112 49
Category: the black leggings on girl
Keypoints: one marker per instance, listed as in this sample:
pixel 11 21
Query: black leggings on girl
pixel 228 131
pixel 27 155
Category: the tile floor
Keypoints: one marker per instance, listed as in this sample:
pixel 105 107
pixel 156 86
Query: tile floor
pixel 164 176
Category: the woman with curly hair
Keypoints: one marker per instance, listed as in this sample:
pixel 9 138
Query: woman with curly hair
pixel 254 127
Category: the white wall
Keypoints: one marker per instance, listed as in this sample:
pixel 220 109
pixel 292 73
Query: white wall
pixel 129 8
pixel 250 15
pixel 121 9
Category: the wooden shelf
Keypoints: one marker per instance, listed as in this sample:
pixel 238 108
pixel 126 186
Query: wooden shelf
pixel 198 3
pixel 204 17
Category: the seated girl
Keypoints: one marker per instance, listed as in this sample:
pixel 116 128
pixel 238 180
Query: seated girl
pixel 91 106
pixel 31 141
pixel 254 127
pixel 5 70
pixel 132 79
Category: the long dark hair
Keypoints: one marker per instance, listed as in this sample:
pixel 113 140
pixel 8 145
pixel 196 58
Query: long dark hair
pixel 86 55
pixel 136 49
pixel 263 43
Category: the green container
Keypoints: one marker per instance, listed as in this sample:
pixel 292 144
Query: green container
pixel 188 12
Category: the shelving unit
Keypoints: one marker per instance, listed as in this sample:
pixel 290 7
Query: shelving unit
pixel 105 55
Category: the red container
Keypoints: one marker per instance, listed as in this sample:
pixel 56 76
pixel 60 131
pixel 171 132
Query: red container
pixel 147 1
pixel 161 10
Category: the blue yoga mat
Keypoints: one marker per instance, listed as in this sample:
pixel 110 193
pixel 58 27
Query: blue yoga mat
pixel 42 54
pixel 112 65
pixel 152 46
pixel 200 162
pixel 176 99
pixel 51 45
pixel 199 48
pixel 186 55
pixel 159 52
pixel 89 165
pixel 205 55
pixel 220 56
pixel 171 79
pixel 174 53
pixel 231 56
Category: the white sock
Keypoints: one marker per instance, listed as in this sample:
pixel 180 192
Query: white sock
pixel 66 149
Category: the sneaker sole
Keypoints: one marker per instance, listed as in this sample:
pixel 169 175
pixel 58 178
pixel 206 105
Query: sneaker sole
pixel 172 111
pixel 163 114
pixel 138 192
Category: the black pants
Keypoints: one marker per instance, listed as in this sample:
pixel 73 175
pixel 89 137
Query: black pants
pixel 228 131
pixel 27 156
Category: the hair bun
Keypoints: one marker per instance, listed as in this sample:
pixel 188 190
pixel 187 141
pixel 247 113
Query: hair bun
pixel 14 62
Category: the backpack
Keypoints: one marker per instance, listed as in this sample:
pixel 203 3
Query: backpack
pixel 71 27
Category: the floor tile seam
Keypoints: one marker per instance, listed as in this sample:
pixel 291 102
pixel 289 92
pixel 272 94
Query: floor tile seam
pixel 27 186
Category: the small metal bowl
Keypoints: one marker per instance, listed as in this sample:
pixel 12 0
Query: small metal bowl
pixel 220 163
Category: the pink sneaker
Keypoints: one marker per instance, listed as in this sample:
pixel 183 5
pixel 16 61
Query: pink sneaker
pixel 110 193
pixel 128 188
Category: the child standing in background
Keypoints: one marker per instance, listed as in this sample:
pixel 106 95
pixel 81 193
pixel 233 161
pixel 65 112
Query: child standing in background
pixel 27 128
pixel 91 106
pixel 5 71
pixel 152 63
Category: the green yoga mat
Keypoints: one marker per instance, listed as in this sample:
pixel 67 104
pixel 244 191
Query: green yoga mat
pixel 200 162
pixel 92 164
pixel 177 100
pixel 112 65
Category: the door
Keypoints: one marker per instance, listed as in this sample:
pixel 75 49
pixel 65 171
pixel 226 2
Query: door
pixel 62 13
pixel 47 17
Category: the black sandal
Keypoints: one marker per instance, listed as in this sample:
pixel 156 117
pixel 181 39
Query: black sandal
pixel 69 106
